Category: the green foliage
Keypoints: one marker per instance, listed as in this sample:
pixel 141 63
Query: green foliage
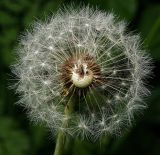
pixel 13 140
pixel 125 9
pixel 122 8
pixel 6 19
pixel 149 26
pixel 18 137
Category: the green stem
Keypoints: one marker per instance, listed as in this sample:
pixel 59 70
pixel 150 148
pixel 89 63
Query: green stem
pixel 60 143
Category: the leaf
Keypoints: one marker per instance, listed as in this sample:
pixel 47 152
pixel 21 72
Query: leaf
pixel 31 13
pixel 51 6
pixel 123 8
pixel 150 29
pixel 13 141
pixel 84 148
pixel 38 134
pixel 17 6
pixel 2 93
pixel 6 19
pixel 152 113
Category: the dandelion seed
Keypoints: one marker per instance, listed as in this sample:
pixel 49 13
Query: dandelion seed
pixel 79 45
pixel 43 64
pixel 46 82
pixel 114 116
pixel 102 123
pixel 109 54
pixel 82 125
pixel 117 97
pixel 87 25
pixel 123 84
pixel 93 115
pixel 50 37
pixel 36 52
pixel 50 48
pixel 118 121
pixel 114 72
pixel 30 68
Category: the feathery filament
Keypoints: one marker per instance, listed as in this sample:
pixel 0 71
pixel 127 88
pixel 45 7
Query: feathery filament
pixel 85 54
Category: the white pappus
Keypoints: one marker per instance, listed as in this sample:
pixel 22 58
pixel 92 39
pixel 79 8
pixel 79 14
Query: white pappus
pixel 87 55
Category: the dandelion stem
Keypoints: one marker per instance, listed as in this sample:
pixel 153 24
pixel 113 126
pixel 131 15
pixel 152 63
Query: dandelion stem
pixel 60 144
pixel 61 139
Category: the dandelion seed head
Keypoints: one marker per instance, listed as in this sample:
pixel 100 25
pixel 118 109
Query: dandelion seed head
pixel 87 55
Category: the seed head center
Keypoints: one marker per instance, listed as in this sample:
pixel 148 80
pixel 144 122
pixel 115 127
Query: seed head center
pixel 81 75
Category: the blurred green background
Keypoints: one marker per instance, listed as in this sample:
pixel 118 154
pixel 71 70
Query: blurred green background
pixel 20 137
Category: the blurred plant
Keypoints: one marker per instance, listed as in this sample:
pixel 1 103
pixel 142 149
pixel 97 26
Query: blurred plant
pixel 12 140
pixel 81 74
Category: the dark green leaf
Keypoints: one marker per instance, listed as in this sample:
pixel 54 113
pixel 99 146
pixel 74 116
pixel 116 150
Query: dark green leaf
pixel 150 29
pixel 13 141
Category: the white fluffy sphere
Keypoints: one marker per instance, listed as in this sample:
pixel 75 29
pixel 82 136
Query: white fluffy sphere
pixel 87 55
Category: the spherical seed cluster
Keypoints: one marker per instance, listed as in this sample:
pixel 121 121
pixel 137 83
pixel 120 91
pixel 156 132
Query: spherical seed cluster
pixel 86 56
